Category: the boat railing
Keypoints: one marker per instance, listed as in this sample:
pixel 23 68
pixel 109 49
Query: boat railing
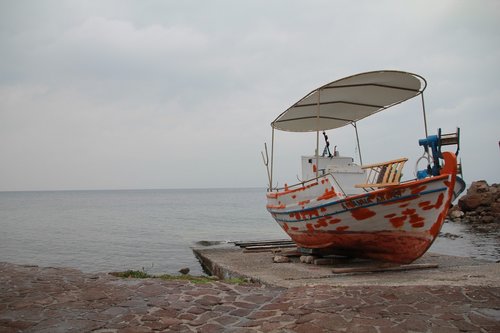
pixel 383 174
pixel 304 183
pixel 311 181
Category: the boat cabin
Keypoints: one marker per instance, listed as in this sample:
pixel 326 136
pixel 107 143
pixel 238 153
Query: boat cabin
pixel 345 172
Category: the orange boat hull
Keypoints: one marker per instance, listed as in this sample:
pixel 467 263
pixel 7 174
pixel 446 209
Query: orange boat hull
pixel 395 224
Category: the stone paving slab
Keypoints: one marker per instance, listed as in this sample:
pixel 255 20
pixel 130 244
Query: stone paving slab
pixel 37 299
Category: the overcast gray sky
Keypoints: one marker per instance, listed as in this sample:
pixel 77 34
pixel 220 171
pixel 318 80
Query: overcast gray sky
pixel 172 94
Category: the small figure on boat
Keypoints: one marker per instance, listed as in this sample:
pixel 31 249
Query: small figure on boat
pixel 327 146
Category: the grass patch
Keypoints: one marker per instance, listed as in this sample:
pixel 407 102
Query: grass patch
pixel 188 277
pixel 237 280
pixel 132 274
pixel 191 278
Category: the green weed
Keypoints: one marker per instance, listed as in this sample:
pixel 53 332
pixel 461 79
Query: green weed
pixel 132 274
pixel 191 278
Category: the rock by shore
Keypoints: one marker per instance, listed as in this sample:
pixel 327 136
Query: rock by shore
pixel 480 206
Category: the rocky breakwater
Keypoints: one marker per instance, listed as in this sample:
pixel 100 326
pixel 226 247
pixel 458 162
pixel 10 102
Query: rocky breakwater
pixel 480 206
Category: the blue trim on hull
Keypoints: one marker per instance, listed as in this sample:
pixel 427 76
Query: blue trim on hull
pixel 442 189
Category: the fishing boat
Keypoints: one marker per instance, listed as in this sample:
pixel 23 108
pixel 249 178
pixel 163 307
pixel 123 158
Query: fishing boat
pixel 367 211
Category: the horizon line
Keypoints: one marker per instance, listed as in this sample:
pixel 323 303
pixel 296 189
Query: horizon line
pixel 134 189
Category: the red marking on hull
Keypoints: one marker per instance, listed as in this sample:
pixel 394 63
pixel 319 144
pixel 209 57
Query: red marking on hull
pixel 436 227
pixel 285 227
pixel 309 214
pixel 388 194
pixel 342 228
pixel 294 228
pixel 409 211
pixel 328 194
pixel 362 213
pixel 388 216
pixel 397 222
pixel 415 218
pixel 321 223
pixel 404 205
pixel 310 227
pixel 439 201
pixel 305 202
pixel 424 204
pixel 322 209
pixel 279 206
pixel 349 203
pixel 418 189
pixel 294 196
pixel 335 221
pixel 427 205
pixel 315 168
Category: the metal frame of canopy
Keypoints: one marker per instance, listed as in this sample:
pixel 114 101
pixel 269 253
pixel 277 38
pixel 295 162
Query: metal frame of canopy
pixel 340 100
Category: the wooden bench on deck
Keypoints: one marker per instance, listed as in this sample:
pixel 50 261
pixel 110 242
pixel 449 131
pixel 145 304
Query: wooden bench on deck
pixel 383 174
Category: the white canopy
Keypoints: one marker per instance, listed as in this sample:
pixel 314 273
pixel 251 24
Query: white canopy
pixel 348 100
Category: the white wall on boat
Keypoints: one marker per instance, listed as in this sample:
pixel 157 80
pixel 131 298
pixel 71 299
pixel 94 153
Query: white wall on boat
pixel 345 172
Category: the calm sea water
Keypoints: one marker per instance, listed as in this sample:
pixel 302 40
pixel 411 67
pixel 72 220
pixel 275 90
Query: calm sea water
pixel 153 229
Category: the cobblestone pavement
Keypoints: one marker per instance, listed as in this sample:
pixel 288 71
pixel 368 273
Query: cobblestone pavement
pixel 34 299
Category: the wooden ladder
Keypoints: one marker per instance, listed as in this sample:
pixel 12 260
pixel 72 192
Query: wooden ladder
pixel 449 139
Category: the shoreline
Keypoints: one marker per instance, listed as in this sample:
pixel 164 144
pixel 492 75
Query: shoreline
pixel 44 299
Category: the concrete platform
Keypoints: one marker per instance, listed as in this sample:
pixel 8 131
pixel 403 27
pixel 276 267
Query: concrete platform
pixel 259 267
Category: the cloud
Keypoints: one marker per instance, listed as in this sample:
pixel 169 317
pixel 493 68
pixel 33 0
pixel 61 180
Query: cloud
pixel 110 42
pixel 121 94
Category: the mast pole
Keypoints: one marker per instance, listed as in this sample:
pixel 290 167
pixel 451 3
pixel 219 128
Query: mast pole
pixel 357 140
pixel 272 159
pixel 425 117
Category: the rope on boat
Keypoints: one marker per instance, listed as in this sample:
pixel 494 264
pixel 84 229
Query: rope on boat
pixel 426 156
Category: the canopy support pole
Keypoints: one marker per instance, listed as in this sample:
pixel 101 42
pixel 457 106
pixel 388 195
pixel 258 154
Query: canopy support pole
pixel 272 159
pixel 357 140
pixel 425 117
pixel 317 132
